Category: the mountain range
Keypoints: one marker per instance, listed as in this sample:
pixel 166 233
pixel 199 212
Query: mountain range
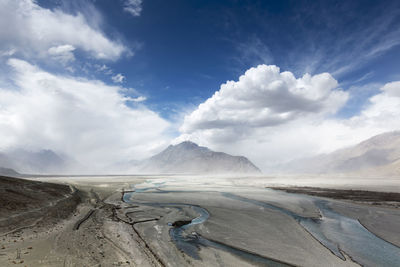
pixel 184 158
pixel 379 155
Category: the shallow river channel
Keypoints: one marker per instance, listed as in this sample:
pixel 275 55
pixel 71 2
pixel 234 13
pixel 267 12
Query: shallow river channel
pixel 338 233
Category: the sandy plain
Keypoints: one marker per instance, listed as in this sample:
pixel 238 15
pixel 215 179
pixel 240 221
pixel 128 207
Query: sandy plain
pixel 129 221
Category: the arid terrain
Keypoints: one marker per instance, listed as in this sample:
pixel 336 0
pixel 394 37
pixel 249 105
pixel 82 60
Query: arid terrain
pixel 196 221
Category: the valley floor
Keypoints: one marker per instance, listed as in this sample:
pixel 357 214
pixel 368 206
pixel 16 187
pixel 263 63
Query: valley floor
pixel 210 221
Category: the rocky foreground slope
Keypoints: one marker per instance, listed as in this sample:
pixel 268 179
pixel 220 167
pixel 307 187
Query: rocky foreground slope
pixel 24 202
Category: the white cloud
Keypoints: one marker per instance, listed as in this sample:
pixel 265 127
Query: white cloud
pixel 264 96
pixel 103 68
pixel 32 31
pixel 299 120
pixel 134 7
pixel 383 110
pixel 62 53
pixel 118 78
pixel 136 99
pixel 8 52
pixel 85 119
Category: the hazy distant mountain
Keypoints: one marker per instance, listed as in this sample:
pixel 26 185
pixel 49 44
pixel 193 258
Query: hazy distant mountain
pixel 34 162
pixel 188 157
pixel 377 155
pixel 8 172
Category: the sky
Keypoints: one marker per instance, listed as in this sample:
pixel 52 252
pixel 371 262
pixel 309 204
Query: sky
pixel 107 82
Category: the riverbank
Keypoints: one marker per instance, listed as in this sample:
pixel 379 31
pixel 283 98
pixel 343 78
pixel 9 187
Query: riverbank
pixel 375 198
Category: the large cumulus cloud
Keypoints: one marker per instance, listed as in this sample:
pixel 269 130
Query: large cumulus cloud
pixel 264 97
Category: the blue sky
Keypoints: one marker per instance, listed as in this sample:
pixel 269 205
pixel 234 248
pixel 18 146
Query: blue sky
pixel 131 76
pixel 183 50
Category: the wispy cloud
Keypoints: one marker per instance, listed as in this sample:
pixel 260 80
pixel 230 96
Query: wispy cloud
pixel 118 78
pixel 134 7
pixel 253 52
pixel 344 44
pixel 321 37
pixel 62 53
pixel 136 99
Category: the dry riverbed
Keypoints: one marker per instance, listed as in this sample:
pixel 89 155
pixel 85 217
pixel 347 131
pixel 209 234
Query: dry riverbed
pixel 183 221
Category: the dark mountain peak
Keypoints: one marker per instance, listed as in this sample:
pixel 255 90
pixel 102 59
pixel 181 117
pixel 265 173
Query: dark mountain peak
pixel 185 148
pixel 188 157
pixel 187 145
